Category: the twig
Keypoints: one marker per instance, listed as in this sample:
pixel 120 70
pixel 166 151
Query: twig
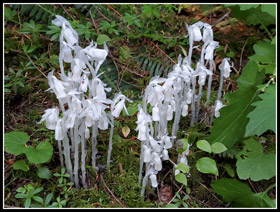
pixel 207 189
pixel 163 52
pixel 176 193
pixel 93 22
pixel 101 13
pixel 101 176
pixel 35 65
pixel 222 18
pixel 67 12
pixel 241 56
pixel 109 6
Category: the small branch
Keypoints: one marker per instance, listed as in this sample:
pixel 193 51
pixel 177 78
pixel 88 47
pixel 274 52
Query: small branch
pixel 241 56
pixel 163 52
pixel 101 13
pixel 222 18
pixel 176 193
pixel 101 176
pixel 109 6
pixel 93 22
pixel 67 12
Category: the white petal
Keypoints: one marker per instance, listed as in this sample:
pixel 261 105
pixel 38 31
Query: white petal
pixel 58 131
pixel 157 161
pixel 165 154
pixel 185 110
pixel 155 146
pixel 169 113
pixel 153 179
pixel 147 154
pixel 155 113
pixel 167 142
pixel 87 133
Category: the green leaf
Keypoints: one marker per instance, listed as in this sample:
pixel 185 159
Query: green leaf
pixel 182 167
pixel 218 148
pixel 204 145
pixel 181 178
pixel 256 165
pixel 265 56
pixel 231 125
pixel 182 145
pixel 171 206
pixel 263 117
pixel 21 164
pixel 48 198
pixel 207 165
pixel 27 202
pixel 15 141
pixel 269 8
pixel 20 196
pixel 44 173
pixel 125 131
pixel 37 190
pixel 41 154
pixel 229 170
pixel 102 38
pixel 240 194
pixel 37 199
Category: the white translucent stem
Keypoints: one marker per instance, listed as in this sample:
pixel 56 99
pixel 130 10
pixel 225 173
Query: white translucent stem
pixel 76 154
pixel 60 153
pixel 84 154
pixel 193 100
pixel 110 140
pixel 198 103
pixel 66 152
pixel 94 143
pixel 209 82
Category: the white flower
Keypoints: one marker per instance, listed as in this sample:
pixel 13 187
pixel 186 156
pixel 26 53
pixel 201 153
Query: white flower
pixel 165 154
pixel 141 128
pixel 118 108
pixel 77 68
pixel 189 96
pixel 153 179
pixel 84 83
pixel 185 110
pixel 87 133
pixel 70 118
pixel 103 121
pixel 69 35
pixel 95 53
pixel 156 95
pixel 147 154
pixel 209 51
pixel 226 67
pixel 155 113
pixel 51 117
pixel 169 113
pixel 218 106
pixel 58 130
pixel 202 78
pixel 156 161
pixel 207 33
pixel 154 144
pixel 167 142
pixel 57 87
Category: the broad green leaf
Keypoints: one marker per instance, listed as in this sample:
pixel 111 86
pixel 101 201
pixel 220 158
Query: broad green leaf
pixel 41 154
pixel 37 190
pixel 21 164
pixel 265 56
pixel 181 178
pixel 15 141
pixel 182 167
pixel 204 145
pixel 269 8
pixel 207 165
pixel 48 198
pixel 263 117
pixel 102 38
pixel 255 165
pixel 229 170
pixel 125 131
pixel 218 148
pixel 44 173
pixel 231 125
pixel 240 194
pixel 21 195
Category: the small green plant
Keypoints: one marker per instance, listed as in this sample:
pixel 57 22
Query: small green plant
pixel 62 182
pixel 28 192
pixel 178 202
pixel 15 143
